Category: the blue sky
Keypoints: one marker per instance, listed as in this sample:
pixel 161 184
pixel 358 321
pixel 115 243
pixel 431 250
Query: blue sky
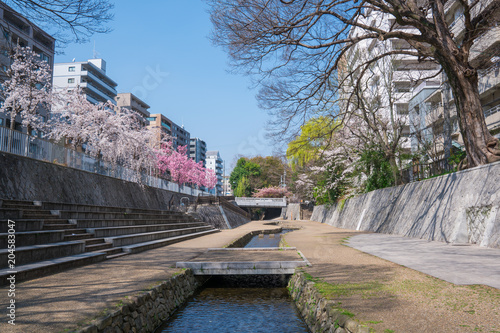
pixel 160 51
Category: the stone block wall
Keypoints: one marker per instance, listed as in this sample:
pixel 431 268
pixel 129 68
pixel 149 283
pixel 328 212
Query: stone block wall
pixel 320 314
pixel 458 208
pixel 23 178
pixel 146 312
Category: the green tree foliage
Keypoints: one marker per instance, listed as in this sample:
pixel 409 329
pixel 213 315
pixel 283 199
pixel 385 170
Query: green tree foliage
pixel 314 136
pixel 243 188
pixel 377 169
pixel 244 169
pixel 271 170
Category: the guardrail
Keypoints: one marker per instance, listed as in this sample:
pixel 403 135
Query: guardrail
pixel 260 202
pixel 22 144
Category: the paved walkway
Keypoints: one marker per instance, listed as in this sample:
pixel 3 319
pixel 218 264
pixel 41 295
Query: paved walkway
pixel 456 264
pixel 60 301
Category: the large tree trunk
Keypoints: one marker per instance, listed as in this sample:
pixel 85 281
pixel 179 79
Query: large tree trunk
pixel 480 145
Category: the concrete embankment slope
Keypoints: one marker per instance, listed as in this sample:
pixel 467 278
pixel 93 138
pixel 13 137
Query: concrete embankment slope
pixel 23 178
pixel 459 208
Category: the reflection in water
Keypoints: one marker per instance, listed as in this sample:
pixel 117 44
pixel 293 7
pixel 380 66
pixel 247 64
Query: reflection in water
pixel 269 240
pixel 237 310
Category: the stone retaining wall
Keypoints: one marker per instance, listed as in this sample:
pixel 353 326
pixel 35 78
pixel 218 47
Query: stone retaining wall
pixel 457 208
pixel 291 212
pixel 146 312
pixel 212 214
pixel 23 178
pixel 319 313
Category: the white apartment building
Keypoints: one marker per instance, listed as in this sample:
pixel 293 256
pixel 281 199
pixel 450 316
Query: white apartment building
pixel 214 162
pixel 423 97
pixel 17 30
pixel 89 75
pixel 432 107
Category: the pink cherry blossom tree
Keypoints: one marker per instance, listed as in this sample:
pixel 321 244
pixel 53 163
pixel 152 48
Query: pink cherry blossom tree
pixel 182 169
pixel 272 192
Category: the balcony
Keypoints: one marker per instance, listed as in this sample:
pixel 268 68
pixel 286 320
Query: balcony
pixel 457 27
pixel 97 92
pixel 489 80
pixel 435 113
pixel 491 111
pixel 99 82
pixel 485 46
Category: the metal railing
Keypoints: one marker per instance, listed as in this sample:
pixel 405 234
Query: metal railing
pixel 491 111
pixel 420 171
pixel 22 144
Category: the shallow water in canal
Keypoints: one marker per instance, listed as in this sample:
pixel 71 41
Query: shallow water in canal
pixel 237 310
pixel 268 240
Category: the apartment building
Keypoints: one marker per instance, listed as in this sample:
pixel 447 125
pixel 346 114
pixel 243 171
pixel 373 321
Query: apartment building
pixel 17 30
pixel 197 150
pixel 417 90
pixel 135 104
pixel 226 186
pixel 214 162
pixel 90 76
pixel 432 108
pixel 163 126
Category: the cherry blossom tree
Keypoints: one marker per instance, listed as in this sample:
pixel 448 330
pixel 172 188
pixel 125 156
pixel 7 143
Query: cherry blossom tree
pixel 27 89
pixel 111 134
pixel 182 169
pixel 272 192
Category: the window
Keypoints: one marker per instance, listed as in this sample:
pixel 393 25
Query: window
pixel 71 69
pixel 71 80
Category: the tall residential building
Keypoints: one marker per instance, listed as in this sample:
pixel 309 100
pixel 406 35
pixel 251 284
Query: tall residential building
pixel 198 150
pixel 17 30
pixel 214 162
pixel 90 76
pixel 164 126
pixel 419 93
pixel 133 103
pixel 432 108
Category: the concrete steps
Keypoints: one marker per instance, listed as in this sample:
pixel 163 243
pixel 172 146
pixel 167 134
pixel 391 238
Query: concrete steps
pixel 140 247
pixel 34 253
pixel 28 238
pixel 102 223
pixel 21 225
pixel 139 229
pixel 54 236
pixel 76 215
pixel 47 267
pixel 152 236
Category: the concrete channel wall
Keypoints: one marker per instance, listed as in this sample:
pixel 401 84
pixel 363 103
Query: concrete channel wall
pixel 457 208
pixel 23 178
pixel 146 312
pixel 320 314
pixel 220 217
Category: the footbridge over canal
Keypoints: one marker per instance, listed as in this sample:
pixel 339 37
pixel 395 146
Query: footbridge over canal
pixel 247 261
pixel 261 202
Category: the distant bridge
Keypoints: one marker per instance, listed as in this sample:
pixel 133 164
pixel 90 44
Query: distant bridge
pixel 261 202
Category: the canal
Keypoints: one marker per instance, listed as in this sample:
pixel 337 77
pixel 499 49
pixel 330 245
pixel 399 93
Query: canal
pixel 220 307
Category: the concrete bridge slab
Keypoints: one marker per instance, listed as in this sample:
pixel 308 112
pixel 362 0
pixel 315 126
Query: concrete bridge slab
pixel 241 261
